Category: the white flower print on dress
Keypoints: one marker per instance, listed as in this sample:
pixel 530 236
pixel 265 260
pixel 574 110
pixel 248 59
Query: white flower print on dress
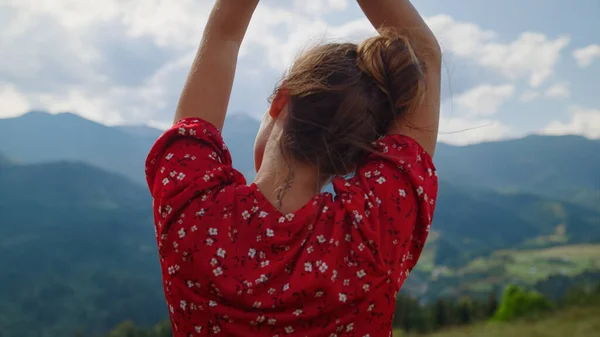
pixel 289 329
pixel 209 242
pixel 214 262
pixel 342 297
pixel 357 216
pixel 298 312
pixel 246 215
pixel 262 279
pixel 361 273
pixel 252 252
pixel 213 231
pixel 221 253
pixel 181 233
pixel 218 271
pixel 307 267
pixel 323 267
pixel 270 232
pixel 402 193
pixel 263 214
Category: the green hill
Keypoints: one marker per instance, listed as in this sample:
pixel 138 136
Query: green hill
pixel 77 251
pixel 472 222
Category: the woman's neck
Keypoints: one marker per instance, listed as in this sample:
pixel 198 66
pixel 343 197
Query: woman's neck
pixel 287 186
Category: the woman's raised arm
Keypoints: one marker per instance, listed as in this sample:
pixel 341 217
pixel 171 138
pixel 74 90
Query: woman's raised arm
pixel 208 87
pixel 401 16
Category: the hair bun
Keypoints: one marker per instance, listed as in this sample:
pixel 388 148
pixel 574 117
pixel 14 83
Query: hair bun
pixel 390 60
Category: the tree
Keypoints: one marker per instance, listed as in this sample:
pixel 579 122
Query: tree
pixel 441 315
pixel 491 305
pixel 517 302
pixel 464 311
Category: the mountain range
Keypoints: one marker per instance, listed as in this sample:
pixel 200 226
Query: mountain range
pixel 77 228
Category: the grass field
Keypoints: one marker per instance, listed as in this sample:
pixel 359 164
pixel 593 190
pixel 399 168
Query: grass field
pixel 574 322
pixel 537 264
pixel 502 267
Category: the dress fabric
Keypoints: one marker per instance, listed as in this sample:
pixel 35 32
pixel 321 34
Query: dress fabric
pixel 233 265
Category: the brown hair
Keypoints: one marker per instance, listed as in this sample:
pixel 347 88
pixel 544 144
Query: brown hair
pixel 343 97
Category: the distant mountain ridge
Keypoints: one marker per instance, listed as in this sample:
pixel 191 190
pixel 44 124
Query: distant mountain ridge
pixel 559 167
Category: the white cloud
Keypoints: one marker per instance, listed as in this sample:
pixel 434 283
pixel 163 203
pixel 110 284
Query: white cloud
pixel 586 56
pixel 320 6
pixel 81 56
pixel 558 90
pixel 584 121
pixel 532 56
pixel 530 95
pixel 465 131
pixel 484 100
pixel 13 103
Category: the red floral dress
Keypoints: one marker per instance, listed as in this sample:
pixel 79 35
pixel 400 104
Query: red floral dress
pixel 233 265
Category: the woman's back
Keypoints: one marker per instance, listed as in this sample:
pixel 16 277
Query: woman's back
pixel 234 265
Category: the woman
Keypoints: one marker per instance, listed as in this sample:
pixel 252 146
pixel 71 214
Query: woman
pixel 278 257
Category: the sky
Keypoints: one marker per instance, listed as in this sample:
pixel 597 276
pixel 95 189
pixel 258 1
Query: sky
pixel 511 67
